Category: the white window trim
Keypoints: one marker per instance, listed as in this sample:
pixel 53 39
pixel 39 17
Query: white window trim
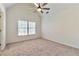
pixel 27 28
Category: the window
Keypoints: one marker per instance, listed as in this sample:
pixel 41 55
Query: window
pixel 22 27
pixel 31 28
pixel 26 28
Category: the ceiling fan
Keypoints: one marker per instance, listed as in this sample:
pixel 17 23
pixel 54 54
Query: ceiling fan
pixel 40 7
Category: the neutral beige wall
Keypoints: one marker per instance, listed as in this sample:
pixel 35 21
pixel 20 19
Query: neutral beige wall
pixel 19 12
pixel 62 26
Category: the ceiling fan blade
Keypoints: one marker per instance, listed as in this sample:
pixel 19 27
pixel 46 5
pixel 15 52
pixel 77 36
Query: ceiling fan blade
pixel 44 4
pixel 41 11
pixel 46 8
pixel 47 12
pixel 36 4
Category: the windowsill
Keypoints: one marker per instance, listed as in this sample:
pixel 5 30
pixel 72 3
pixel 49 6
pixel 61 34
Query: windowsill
pixel 26 35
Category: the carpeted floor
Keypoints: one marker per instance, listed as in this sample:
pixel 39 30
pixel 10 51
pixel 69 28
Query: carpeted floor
pixel 38 47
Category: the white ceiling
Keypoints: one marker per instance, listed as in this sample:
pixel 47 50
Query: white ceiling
pixel 53 6
pixel 7 5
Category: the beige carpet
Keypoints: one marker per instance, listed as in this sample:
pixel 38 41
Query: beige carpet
pixel 38 47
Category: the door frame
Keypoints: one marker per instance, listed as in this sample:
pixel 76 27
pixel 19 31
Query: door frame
pixel 3 33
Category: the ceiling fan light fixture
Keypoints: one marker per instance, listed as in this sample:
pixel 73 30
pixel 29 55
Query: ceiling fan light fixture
pixel 39 9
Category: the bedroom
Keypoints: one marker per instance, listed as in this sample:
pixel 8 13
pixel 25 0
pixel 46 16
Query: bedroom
pixel 27 31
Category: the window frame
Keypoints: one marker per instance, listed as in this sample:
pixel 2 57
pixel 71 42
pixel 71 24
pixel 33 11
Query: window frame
pixel 18 28
pixel 27 28
pixel 35 27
